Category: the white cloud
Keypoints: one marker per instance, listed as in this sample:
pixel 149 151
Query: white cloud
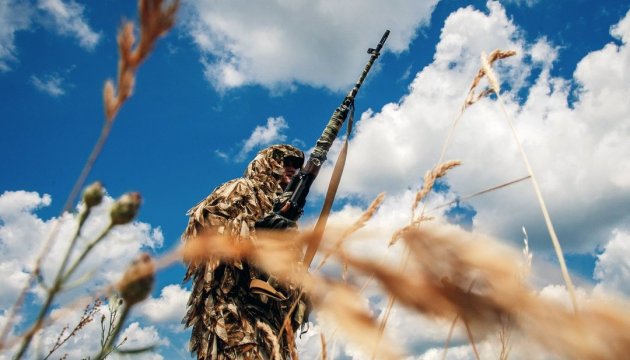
pixel 51 84
pixel 15 16
pixel 543 52
pixel 22 233
pixel 139 337
pixel 86 341
pixel 68 18
pixel 579 153
pixel 612 269
pixel 264 135
pixel 279 43
pixel 170 307
pixel 65 18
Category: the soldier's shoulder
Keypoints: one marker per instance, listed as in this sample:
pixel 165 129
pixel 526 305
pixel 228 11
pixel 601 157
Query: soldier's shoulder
pixel 226 193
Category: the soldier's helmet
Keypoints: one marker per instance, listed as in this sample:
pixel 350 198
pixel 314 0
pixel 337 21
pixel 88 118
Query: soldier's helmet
pixel 270 161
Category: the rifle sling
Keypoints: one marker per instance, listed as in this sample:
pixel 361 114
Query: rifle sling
pixel 335 179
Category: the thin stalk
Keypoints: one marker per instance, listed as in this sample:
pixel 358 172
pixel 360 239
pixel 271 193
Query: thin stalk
pixel 449 336
pixel 87 250
pixel 87 168
pixel 543 207
pixel 470 338
pixel 57 286
pixel 52 292
pixel 108 348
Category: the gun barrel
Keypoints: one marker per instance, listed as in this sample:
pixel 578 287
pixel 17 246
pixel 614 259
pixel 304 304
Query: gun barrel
pixel 318 156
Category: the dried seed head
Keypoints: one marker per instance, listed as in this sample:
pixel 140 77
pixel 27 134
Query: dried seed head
pixel 137 282
pixel 93 194
pixel 125 208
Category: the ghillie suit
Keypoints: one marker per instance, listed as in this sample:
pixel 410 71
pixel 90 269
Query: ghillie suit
pixel 228 320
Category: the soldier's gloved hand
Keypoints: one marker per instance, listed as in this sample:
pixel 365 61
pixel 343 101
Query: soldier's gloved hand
pixel 276 222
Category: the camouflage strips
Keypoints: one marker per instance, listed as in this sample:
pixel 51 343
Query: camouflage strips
pixel 228 320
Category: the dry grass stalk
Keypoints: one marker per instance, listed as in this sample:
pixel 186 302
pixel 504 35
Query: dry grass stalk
pixel 88 315
pixel 527 255
pixel 505 333
pixel 271 338
pixel 343 305
pixel 599 331
pixel 543 207
pixel 400 233
pixel 324 346
pixel 492 78
pixel 471 339
pixel 487 62
pixel 360 223
pixel 290 334
pixel 449 336
pixel 155 20
pixel 444 262
pixel 429 180
pixel 275 252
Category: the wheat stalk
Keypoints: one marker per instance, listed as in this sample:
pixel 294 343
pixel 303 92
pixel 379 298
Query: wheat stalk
pixel 323 341
pixel 552 232
pixel 358 224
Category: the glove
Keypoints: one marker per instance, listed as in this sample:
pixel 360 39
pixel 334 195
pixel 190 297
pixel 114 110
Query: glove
pixel 276 222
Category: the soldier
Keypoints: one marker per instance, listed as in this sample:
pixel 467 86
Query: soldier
pixel 229 320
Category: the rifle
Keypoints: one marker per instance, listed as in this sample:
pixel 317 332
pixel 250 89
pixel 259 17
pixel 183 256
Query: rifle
pixel 286 213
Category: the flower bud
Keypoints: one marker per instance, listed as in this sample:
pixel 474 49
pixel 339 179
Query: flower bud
pixel 93 194
pixel 125 208
pixel 137 281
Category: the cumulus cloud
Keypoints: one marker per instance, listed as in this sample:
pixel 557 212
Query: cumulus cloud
pixel 139 337
pixel 264 135
pixel 578 151
pixel 170 307
pixel 87 340
pixel 65 18
pixel 612 269
pixel 15 16
pixel 22 232
pixel 279 43
pixel 68 19
pixel 573 141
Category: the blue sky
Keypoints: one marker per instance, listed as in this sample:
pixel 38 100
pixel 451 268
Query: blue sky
pixel 229 68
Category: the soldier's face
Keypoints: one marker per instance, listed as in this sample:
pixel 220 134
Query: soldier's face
pixel 289 171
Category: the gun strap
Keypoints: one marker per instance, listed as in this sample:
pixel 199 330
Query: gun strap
pixel 335 179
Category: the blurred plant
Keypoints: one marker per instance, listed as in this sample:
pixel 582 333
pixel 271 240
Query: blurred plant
pixel 88 315
pixel 156 18
pixel 122 212
pixel 134 287
pixel 107 328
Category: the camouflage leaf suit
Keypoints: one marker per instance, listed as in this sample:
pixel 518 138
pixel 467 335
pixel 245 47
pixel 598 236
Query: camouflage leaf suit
pixel 229 321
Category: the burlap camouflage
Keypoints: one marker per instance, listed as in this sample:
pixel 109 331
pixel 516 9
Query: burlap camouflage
pixel 228 320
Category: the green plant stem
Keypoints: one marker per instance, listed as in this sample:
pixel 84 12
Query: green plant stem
pixel 85 253
pixel 108 348
pixel 54 289
pixel 74 193
pixel 64 263
pixel 57 286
